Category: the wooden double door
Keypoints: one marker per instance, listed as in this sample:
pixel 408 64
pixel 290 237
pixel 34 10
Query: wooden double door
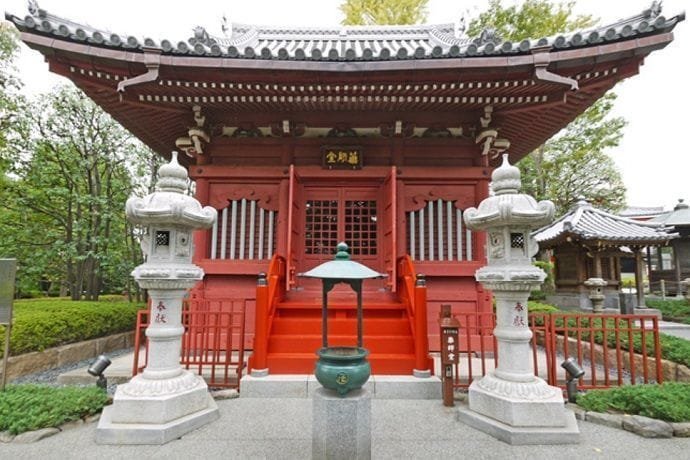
pixel 361 215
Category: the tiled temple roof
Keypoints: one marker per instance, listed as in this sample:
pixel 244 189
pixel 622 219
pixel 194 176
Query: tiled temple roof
pixel 586 223
pixel 353 43
pixel 679 217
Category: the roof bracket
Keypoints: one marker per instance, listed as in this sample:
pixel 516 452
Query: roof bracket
pixel 542 59
pixel 152 60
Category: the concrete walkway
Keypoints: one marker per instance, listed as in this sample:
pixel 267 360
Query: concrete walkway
pixel 401 429
pixel 677 329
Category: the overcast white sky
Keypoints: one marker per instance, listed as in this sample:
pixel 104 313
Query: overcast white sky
pixel 653 156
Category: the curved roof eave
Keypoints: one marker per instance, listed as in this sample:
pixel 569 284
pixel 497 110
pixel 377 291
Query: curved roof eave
pixel 642 45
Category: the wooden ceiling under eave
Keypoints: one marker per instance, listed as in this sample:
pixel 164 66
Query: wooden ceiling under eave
pixel 525 111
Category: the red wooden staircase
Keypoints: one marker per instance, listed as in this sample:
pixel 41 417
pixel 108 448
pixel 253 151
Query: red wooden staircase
pixel 289 326
pixel 296 333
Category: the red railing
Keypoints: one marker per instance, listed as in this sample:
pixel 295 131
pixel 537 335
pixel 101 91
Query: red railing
pixel 270 290
pixel 412 291
pixel 212 344
pixel 601 344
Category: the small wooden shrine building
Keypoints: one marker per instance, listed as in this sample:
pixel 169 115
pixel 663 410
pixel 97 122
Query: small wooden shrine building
pixel 377 136
pixel 671 263
pixel 589 243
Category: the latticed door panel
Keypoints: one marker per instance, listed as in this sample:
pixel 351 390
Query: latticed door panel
pixel 361 227
pixel 320 226
pixel 333 215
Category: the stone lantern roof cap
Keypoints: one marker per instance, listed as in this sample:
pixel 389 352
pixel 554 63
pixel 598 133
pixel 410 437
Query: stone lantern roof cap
pixel 169 204
pixel 508 207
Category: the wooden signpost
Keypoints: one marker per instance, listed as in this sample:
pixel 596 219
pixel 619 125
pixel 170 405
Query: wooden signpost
pixel 8 269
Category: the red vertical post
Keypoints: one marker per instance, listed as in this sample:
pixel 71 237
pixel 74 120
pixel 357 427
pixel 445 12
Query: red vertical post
pixel 201 237
pixel 420 326
pixel 260 353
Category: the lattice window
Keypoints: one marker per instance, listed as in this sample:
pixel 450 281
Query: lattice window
pixel 517 240
pixel 244 231
pixel 437 232
pixel 162 238
pixel 321 226
pixel 360 227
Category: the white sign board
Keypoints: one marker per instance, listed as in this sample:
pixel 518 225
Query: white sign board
pixel 8 269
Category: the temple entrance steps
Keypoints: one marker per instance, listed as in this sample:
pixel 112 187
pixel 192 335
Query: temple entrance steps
pixel 296 332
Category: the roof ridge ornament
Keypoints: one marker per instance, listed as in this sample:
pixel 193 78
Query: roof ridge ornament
pixel 654 10
pixel 488 35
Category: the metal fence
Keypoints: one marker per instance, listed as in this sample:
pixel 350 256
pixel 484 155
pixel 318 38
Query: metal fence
pixel 613 349
pixel 212 344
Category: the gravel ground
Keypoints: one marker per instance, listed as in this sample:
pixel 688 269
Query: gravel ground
pixel 50 376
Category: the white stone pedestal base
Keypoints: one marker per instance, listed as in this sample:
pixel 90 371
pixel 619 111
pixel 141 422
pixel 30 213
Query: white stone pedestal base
pixel 517 436
pixel 530 412
pixel 142 415
pixel 341 427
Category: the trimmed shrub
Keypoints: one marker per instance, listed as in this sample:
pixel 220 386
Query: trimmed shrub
pixel 539 307
pixel 669 401
pixel 672 310
pixel 32 407
pixel 49 322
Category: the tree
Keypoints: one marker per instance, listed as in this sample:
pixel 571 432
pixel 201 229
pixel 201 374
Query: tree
pixel 369 12
pixel 574 163
pixel 69 186
pixel 10 100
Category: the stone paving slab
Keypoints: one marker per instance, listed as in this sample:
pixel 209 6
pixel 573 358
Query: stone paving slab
pixel 281 429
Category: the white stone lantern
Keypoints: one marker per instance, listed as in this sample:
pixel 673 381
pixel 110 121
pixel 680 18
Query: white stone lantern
pixel 511 403
pixel 165 401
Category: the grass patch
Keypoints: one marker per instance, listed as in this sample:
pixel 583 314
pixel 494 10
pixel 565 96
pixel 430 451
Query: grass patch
pixel 669 402
pixel 32 407
pixel 49 322
pixel 672 310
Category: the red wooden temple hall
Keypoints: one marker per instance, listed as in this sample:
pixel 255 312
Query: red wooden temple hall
pixel 377 136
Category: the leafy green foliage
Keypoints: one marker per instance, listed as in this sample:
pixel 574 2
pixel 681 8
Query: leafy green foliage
pixel 669 401
pixel 539 307
pixel 531 19
pixel 369 12
pixel 43 323
pixel 672 310
pixel 574 163
pixel 548 285
pixel 32 407
pixel 70 172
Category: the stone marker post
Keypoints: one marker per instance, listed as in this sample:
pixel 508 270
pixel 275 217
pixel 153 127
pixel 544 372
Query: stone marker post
pixel 165 401
pixel 511 403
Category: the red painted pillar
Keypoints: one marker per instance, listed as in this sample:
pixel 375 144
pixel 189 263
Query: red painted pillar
pixel 260 353
pixel 201 237
pixel 421 332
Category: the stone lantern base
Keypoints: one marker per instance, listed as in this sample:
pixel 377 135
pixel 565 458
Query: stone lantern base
pixel 145 411
pixel 520 413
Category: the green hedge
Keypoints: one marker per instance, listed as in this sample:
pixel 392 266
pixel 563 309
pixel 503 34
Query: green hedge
pixel 672 310
pixel 670 401
pixel 32 407
pixel 43 323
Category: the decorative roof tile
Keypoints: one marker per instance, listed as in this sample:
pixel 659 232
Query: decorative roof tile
pixel 351 43
pixel 586 223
